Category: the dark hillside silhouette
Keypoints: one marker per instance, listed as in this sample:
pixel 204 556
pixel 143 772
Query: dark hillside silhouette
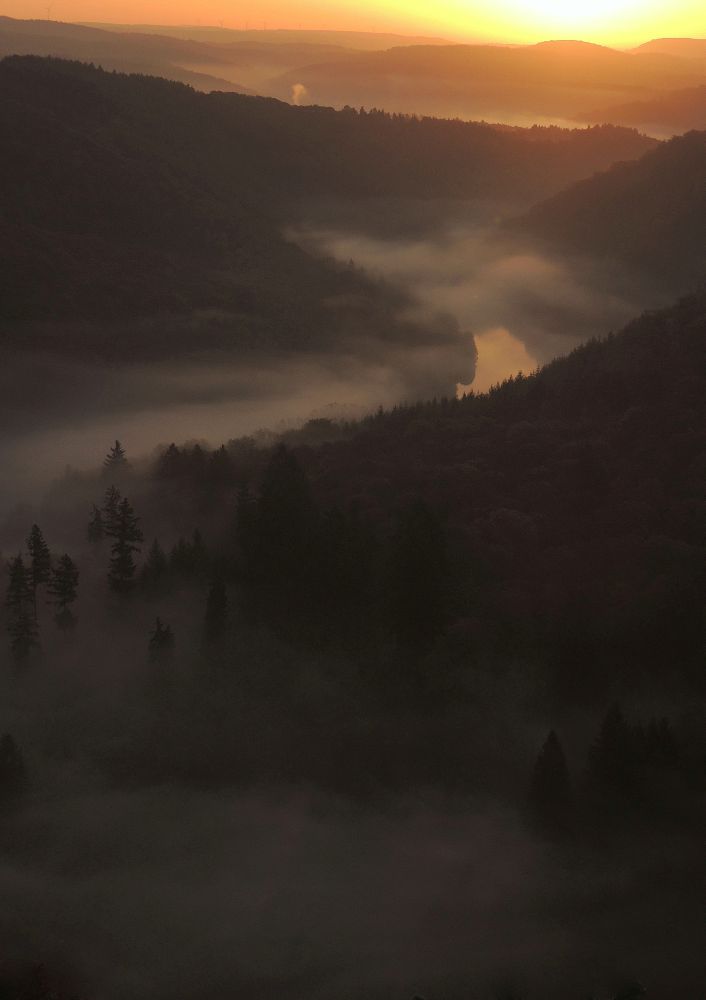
pixel 147 196
pixel 572 506
pixel 650 215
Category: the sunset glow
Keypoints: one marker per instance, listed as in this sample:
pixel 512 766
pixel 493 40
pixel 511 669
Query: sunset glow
pixel 610 22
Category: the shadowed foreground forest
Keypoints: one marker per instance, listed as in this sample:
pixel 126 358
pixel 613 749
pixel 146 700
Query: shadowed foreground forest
pixel 455 624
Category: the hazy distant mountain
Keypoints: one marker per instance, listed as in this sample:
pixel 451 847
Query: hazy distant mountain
pixel 549 80
pixel 194 63
pixel 677 111
pixel 650 214
pixel 210 60
pixel 686 48
pixel 364 40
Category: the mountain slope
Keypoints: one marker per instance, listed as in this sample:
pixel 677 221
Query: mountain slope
pixel 559 79
pixel 572 501
pixel 364 40
pixel 107 221
pixel 684 48
pixel 678 111
pixel 203 66
pixel 650 214
pixel 147 196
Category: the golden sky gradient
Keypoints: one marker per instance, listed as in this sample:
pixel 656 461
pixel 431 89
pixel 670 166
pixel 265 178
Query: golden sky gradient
pixel 610 22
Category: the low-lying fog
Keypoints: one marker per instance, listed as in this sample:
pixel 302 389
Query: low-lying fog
pixel 517 308
pixel 165 893
pixel 524 307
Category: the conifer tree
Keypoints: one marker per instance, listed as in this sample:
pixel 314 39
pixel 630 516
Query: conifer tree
pixel 189 557
pixel 220 470
pixel 612 757
pixel 216 610
pixel 115 460
pixel 171 463
pixel 22 620
pixel 127 536
pixel 13 774
pixel 161 642
pixel 550 791
pixel 661 746
pixel 63 588
pixel 156 565
pixel 109 511
pixel 96 526
pixel 40 561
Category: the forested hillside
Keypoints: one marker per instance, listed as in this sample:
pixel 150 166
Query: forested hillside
pixel 572 501
pixel 677 111
pixel 650 215
pixel 558 520
pixel 134 195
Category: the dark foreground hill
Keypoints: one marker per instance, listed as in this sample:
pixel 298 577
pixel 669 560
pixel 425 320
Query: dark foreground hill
pixel 650 215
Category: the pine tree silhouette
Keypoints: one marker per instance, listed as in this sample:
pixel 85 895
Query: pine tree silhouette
pixel 109 511
pixel 63 589
pixel 161 642
pixel 127 536
pixel 156 565
pixel 40 561
pixel 22 621
pixel 96 527
pixel 550 791
pixel 612 756
pixel 115 460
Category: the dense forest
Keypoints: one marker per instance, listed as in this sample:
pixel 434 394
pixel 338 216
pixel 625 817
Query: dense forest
pixel 649 215
pixel 556 522
pixel 676 111
pixel 131 194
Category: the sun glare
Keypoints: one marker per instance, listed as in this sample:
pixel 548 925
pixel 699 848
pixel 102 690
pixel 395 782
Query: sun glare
pixel 577 16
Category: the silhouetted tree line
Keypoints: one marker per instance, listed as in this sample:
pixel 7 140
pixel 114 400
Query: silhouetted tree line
pixel 633 769
pixel 116 520
pixel 56 579
pixel 322 573
pixel 571 527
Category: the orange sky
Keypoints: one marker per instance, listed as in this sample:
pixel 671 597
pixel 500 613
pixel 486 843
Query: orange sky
pixel 612 22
